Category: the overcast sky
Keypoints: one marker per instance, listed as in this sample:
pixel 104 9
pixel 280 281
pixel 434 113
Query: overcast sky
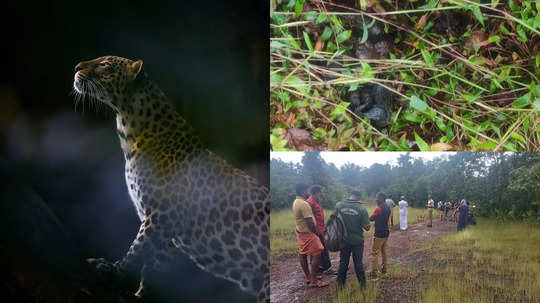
pixel 364 159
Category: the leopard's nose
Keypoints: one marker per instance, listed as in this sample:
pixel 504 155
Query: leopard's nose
pixel 78 67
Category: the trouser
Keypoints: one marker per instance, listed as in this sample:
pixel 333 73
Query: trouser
pixel 357 252
pixel 430 217
pixel 325 257
pixel 379 245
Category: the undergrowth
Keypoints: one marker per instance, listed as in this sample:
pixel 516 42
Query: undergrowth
pixel 489 262
pixel 473 87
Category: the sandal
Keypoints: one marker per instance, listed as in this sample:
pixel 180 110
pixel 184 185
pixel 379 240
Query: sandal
pixel 319 284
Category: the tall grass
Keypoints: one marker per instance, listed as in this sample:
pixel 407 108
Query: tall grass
pixel 283 239
pixel 489 262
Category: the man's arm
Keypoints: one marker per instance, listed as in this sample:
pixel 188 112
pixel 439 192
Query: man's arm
pixel 375 213
pixel 311 225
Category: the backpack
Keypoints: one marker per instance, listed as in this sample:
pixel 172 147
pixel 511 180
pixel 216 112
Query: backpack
pixel 335 232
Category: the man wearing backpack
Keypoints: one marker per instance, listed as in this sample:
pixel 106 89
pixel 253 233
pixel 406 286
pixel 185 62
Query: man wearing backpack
pixel 356 220
pixel 306 237
pixel 380 216
pixel 318 213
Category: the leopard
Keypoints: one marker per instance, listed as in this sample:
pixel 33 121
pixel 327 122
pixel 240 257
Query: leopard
pixel 188 199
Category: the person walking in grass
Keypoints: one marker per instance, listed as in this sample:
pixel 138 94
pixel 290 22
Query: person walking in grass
pixel 430 205
pixel 463 210
pixel 306 236
pixel 356 220
pixel 403 205
pixel 380 216
pixel 318 212
pixel 391 205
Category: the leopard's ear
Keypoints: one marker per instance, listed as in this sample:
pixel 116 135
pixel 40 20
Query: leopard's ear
pixel 134 69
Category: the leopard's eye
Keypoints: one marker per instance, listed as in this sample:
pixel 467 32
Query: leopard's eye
pixel 104 64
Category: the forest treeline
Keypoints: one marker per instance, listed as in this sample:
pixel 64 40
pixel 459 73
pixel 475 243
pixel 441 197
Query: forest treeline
pixel 501 185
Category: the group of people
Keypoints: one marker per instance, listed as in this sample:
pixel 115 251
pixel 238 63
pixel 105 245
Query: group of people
pixel 460 212
pixel 309 224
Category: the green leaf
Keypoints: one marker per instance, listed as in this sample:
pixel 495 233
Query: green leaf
pixel 293 42
pixel 276 78
pixel 427 57
pixel 503 29
pixel 418 103
pixel 319 133
pixel 518 137
pixel 364 33
pixel 478 14
pixel 522 101
pixel 422 145
pixel 308 42
pixel 412 117
pixel 536 103
pixel 327 32
pixel 478 60
pixel 310 15
pixel 495 38
pixel 321 18
pixel 339 110
pixel 299 6
pixel 488 145
pixel 494 3
pixel 521 33
pixel 344 36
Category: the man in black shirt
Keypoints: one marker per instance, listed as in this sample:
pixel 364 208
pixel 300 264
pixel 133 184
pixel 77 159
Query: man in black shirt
pixel 380 216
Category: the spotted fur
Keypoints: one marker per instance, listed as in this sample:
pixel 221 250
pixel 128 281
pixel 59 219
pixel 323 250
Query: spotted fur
pixel 187 198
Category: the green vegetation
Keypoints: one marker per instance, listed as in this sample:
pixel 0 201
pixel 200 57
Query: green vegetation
pixel 470 84
pixel 489 262
pixel 282 235
pixel 501 185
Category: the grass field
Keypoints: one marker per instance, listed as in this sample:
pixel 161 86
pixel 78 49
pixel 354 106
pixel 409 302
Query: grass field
pixel 490 262
pixel 282 236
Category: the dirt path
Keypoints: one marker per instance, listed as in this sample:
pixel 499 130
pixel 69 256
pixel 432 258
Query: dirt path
pixel 287 279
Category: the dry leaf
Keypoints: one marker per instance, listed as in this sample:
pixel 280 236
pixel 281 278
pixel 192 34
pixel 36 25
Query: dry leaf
pixel 442 147
pixel 300 139
pixel 422 22
pixel 478 39
pixel 319 46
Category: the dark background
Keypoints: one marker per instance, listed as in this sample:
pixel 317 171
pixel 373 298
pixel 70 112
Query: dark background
pixel 62 189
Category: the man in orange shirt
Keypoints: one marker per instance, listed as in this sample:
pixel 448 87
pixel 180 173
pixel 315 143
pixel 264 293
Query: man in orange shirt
pixel 306 236
pixel 318 212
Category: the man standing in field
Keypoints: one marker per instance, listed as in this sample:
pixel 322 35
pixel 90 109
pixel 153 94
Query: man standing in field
pixel 318 212
pixel 403 205
pixel 430 205
pixel 391 205
pixel 380 216
pixel 306 236
pixel 356 220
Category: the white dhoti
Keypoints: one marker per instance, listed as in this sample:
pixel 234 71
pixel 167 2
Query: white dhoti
pixel 403 219
pixel 403 215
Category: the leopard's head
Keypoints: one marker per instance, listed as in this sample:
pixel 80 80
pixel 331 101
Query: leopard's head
pixel 106 79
